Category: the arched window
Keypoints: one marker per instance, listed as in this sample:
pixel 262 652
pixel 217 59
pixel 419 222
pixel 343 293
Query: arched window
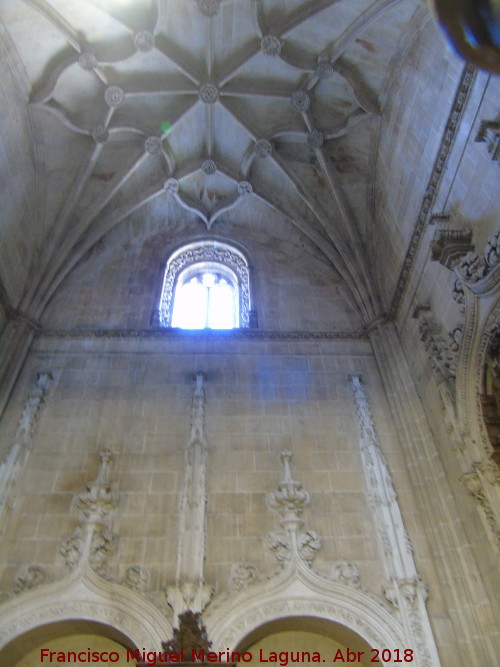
pixel 206 286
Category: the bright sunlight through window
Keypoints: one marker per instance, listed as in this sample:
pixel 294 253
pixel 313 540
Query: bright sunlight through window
pixel 206 286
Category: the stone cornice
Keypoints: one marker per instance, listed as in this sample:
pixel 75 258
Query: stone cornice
pixel 210 334
pixel 450 132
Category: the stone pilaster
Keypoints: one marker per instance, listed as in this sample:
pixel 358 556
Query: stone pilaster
pixel 446 538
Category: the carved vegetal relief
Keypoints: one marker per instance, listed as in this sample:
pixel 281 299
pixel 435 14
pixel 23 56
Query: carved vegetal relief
pixel 289 499
pixel 477 481
pixel 93 542
pixel 136 577
pixel 29 578
pixel 346 573
pixel 242 576
pixel 13 464
pixel 479 272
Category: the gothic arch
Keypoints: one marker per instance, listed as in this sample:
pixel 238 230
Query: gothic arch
pixel 299 592
pixel 84 598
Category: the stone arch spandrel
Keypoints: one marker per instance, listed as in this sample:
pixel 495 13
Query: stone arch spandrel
pixel 90 599
pixel 301 593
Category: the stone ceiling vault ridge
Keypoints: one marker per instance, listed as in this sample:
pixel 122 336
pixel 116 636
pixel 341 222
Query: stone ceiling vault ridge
pixel 155 98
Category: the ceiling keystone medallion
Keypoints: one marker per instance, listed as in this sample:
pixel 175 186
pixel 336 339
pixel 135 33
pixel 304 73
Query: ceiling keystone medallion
pixel 270 45
pixel 144 40
pixel 245 188
pixel 209 93
pixel 153 145
pixel 209 167
pixel 315 139
pixel 114 96
pixel 300 101
pixel 208 7
pixel 100 134
pixel 87 61
pixel 324 69
pixel 263 148
pixel 171 186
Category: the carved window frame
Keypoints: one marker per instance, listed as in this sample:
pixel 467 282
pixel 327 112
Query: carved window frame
pixel 206 252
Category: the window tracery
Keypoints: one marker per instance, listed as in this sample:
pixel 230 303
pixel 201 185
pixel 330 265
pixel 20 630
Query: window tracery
pixel 206 285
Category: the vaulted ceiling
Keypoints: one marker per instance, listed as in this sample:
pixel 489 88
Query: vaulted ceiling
pixel 218 112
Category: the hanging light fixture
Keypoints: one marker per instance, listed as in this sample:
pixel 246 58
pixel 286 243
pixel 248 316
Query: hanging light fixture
pixel 473 29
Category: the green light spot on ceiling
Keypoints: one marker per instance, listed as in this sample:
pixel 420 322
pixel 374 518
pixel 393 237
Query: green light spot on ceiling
pixel 165 126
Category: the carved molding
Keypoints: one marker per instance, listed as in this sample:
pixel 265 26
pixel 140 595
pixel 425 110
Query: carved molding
pixel 190 590
pixel 86 596
pixel 450 132
pixel 15 460
pixel 232 617
pixel 450 244
pixel 404 588
pixel 205 333
pixel 203 251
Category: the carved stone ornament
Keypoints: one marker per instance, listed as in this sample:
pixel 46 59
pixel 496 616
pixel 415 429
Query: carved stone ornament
pixel 442 352
pixel 263 148
pixel 136 577
pixel 450 245
pixel 289 499
pixel 300 100
pixel 479 273
pixel 114 96
pixel 29 578
pixel 12 465
pixel 324 69
pixel 144 40
pixel 404 588
pixel 209 93
pixel 153 145
pixel 346 573
pixel 242 576
pixel 99 497
pixel 87 61
pixel 245 188
pixel 100 134
pixel 208 7
pixel 171 186
pixel 489 132
pixel 270 45
pixel 209 167
pixel 315 139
